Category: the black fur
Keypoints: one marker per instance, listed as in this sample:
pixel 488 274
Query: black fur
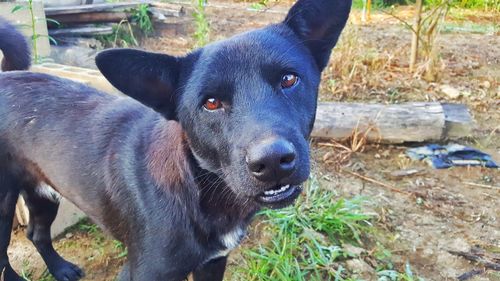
pixel 180 193
pixel 15 49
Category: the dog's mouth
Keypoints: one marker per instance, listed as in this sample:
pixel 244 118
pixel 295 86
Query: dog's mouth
pixel 282 195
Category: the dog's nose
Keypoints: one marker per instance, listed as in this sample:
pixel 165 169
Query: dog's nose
pixel 271 160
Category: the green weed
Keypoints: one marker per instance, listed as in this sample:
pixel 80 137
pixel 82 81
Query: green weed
pixel 120 247
pixel 202 27
pixel 392 275
pixel 140 17
pixel 306 238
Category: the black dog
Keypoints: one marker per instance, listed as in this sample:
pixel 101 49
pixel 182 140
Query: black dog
pixel 180 193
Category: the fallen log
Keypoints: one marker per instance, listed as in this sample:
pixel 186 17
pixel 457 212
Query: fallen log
pixel 95 17
pixel 393 123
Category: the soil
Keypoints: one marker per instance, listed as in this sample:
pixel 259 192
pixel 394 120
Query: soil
pixel 419 218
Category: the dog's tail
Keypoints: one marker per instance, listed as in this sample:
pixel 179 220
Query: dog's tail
pixel 15 48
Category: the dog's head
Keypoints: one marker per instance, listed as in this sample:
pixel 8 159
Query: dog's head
pixel 248 103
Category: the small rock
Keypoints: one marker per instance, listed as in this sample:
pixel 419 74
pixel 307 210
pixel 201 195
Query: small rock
pixel 450 91
pixel 353 250
pixel 404 173
pixel 361 268
pixel 466 94
pixel 457 244
pixel 486 84
pixel 386 153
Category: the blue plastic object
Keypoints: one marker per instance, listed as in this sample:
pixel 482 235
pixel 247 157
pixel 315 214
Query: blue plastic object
pixel 442 157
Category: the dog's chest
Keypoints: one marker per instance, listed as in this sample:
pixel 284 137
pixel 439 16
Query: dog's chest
pixel 229 240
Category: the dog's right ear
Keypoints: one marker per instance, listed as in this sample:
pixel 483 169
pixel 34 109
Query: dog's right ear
pixel 149 78
pixel 318 23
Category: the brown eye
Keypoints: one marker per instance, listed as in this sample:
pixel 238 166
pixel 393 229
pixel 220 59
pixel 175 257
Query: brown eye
pixel 212 104
pixel 289 80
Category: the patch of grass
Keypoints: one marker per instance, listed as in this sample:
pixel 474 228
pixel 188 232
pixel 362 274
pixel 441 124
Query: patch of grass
pixel 120 247
pixel 122 36
pixel 470 27
pixel 379 4
pixel 357 65
pixel 125 33
pixel 392 275
pixel 489 5
pixel 261 5
pixel 306 238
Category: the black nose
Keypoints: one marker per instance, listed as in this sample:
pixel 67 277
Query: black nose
pixel 271 159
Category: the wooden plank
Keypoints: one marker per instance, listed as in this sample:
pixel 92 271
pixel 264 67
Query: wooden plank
pixel 395 123
pixel 167 9
pixel 93 8
pixel 82 31
pixel 94 17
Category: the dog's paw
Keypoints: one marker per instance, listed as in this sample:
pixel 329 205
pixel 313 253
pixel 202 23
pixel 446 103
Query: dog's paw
pixel 67 272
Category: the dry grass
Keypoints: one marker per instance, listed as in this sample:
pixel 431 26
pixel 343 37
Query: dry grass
pixel 359 67
pixel 341 151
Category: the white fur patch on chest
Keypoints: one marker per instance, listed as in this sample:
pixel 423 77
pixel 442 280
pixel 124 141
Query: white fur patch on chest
pixel 46 191
pixel 230 241
pixel 233 238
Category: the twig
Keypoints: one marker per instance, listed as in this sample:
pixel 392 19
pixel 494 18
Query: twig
pixel 470 274
pixel 483 185
pixel 479 258
pixel 390 187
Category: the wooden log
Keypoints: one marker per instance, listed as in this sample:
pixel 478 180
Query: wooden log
pixel 94 8
pixel 395 123
pixel 95 17
pixel 81 31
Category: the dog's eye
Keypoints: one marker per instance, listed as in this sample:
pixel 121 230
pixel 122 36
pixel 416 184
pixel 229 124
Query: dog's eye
pixel 212 104
pixel 289 80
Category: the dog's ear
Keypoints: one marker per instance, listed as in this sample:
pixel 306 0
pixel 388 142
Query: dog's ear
pixel 147 77
pixel 319 24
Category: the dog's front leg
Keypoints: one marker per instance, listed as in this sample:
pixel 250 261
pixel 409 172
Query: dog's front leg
pixel 124 273
pixel 212 270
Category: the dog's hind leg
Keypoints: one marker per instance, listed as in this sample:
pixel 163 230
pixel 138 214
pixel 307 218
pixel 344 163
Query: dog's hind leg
pixel 43 208
pixel 9 193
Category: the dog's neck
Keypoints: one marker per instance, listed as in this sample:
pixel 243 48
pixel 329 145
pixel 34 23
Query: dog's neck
pixel 218 201
pixel 172 166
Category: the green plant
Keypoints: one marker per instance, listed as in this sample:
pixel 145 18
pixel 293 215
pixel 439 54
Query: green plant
pixel 140 16
pixel 306 237
pixel 487 5
pixel 124 33
pixel 32 26
pixel 379 4
pixel 122 250
pixel 261 5
pixel 392 275
pixel 123 36
pixel 202 27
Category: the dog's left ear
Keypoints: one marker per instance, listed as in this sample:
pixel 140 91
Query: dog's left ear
pixel 149 78
pixel 319 24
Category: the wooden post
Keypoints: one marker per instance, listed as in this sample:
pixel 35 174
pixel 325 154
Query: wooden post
pixel 416 35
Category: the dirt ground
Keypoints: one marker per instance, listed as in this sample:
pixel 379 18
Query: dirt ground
pixel 419 218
